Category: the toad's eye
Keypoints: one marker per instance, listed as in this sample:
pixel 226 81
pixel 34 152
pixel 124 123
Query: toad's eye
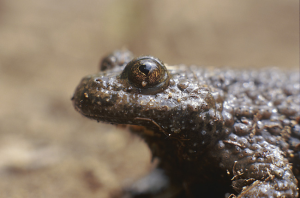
pixel 146 73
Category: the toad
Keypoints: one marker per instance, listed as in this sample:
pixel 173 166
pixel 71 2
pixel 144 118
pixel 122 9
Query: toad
pixel 215 132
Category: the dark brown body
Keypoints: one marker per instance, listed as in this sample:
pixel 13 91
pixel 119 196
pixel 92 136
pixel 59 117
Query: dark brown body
pixel 215 132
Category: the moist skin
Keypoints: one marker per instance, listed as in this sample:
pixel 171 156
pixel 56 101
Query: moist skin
pixel 216 132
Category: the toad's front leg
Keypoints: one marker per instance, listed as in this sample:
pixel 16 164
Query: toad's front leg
pixel 259 168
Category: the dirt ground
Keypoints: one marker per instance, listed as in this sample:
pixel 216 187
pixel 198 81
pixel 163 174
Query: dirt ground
pixel 49 150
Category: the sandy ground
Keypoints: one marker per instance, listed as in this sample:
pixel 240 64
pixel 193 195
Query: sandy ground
pixel 46 46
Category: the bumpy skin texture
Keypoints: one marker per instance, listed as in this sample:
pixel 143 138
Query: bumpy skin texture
pixel 215 132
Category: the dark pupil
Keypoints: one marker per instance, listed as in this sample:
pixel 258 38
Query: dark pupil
pixel 146 68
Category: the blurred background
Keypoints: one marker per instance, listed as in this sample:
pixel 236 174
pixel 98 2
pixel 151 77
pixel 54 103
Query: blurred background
pixel 46 46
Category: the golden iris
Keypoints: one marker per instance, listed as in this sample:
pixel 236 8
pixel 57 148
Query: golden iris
pixel 146 73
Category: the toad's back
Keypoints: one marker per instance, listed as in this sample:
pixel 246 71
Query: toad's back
pixel 228 130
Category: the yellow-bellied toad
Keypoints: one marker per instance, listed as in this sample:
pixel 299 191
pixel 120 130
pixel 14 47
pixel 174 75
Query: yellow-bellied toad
pixel 214 131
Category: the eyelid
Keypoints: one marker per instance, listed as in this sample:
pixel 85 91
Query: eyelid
pixel 154 77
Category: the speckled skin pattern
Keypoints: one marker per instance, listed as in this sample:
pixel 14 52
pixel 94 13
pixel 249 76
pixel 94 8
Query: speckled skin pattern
pixel 215 132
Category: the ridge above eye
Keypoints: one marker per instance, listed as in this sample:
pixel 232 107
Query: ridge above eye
pixel 146 72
